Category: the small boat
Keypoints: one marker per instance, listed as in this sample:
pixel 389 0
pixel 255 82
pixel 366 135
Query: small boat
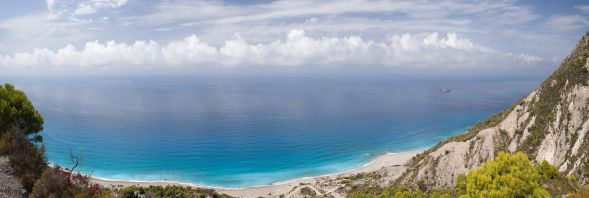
pixel 445 90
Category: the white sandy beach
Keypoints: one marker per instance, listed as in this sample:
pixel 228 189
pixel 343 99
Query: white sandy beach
pixel 390 162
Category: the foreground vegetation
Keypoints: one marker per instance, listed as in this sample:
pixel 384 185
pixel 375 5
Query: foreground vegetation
pixel 168 191
pixel 509 175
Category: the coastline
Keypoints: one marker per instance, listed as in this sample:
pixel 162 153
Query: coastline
pixel 392 162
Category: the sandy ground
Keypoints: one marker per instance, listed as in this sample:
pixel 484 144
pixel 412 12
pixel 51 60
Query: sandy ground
pixel 390 162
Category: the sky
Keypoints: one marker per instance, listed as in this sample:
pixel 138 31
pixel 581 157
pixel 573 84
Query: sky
pixel 132 36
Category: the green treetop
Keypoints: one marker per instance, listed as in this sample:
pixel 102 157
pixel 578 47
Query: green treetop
pixel 17 113
pixel 509 175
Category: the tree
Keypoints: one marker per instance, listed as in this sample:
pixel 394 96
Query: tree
pixel 18 120
pixel 509 175
pixel 77 160
pixel 17 113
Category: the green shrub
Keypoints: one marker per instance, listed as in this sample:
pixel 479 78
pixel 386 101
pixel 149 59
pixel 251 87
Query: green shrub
pixel 547 171
pixel 307 191
pixel 400 192
pixel 169 191
pixel 509 175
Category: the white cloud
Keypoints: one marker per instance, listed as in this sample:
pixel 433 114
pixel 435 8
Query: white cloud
pixel 298 49
pixel 92 6
pixel 582 8
pixel 567 22
pixel 70 10
pixel 220 13
pixel 527 58
pixel 50 4
pixel 52 13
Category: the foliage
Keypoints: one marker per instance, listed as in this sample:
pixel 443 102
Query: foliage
pixel 582 193
pixel 400 192
pixel 509 175
pixel 17 113
pixel 368 175
pixel 26 159
pixel 51 184
pixel 307 191
pixel 56 182
pixel 168 191
pixel 547 171
pixel 18 119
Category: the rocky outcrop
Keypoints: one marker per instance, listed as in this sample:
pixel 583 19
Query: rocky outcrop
pixel 551 123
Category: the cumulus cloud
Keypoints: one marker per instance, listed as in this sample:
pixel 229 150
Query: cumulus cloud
pixel 297 49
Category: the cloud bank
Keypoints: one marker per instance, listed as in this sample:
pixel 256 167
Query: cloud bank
pixel 296 49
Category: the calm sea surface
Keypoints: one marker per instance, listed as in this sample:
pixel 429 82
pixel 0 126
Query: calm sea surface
pixel 248 130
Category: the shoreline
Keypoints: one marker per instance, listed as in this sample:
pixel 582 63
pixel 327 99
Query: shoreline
pixel 387 160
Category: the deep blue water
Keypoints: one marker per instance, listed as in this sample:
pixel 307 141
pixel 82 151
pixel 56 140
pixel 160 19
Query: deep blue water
pixel 248 130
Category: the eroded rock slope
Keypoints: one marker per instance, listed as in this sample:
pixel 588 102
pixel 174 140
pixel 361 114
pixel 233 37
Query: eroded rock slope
pixel 551 123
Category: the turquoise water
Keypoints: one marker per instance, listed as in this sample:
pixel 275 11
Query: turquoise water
pixel 250 130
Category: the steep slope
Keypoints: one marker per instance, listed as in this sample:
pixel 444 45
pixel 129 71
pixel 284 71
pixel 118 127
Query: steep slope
pixel 550 123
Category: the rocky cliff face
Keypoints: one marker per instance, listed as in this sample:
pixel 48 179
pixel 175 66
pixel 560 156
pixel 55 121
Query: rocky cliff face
pixel 550 123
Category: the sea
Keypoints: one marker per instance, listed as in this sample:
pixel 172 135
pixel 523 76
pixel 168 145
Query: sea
pixel 244 130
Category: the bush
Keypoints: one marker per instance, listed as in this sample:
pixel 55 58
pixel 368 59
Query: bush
pixel 400 192
pixel 53 183
pixel 168 191
pixel 307 191
pixel 27 161
pixel 56 182
pixel 547 171
pixel 509 175
pixel 583 193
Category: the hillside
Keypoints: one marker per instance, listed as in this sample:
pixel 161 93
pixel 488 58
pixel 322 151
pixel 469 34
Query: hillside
pixel 550 123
